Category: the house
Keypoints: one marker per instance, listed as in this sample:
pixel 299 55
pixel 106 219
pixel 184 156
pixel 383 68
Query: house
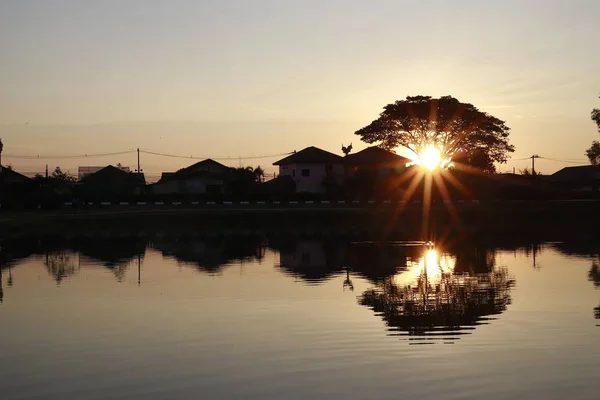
pixel 17 190
pixel 112 181
pixel 375 159
pixel 204 177
pixel 87 170
pixel 8 176
pixel 580 178
pixel 312 169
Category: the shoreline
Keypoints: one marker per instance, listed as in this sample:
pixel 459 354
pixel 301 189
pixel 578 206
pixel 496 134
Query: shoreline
pixel 377 220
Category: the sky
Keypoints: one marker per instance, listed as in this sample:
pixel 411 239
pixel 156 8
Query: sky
pixel 240 79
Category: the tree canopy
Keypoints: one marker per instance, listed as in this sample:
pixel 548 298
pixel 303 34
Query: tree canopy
pixel 61 176
pixel 596 117
pixel 593 153
pixel 458 130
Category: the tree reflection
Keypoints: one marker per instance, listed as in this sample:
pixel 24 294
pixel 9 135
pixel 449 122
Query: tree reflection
pixel 594 274
pixel 451 294
pixel 60 265
pixel 594 277
pixel 1 287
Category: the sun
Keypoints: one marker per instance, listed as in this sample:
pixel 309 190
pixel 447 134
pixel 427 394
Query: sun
pixel 430 158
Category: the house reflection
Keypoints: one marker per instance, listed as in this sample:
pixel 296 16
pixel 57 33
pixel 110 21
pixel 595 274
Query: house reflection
pixel 116 254
pixel 211 255
pixel 443 295
pixel 313 261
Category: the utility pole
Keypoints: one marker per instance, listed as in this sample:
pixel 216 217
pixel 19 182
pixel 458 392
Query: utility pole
pixel 533 157
pixel 139 171
pixel 46 171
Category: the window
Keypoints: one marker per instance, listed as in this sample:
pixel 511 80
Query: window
pixel 306 172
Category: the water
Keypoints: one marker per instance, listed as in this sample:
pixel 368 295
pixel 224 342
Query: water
pixel 275 318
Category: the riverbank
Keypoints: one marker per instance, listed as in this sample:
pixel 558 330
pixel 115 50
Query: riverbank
pixel 365 220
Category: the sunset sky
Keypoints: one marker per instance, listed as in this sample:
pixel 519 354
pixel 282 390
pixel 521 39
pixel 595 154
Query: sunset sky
pixel 262 77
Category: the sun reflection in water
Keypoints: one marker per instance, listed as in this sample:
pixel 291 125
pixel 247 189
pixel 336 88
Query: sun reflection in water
pixel 431 266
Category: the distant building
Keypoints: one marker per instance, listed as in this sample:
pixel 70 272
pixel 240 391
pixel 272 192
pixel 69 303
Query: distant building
pixel 85 171
pixel 375 159
pixel 204 177
pixel 112 181
pixel 312 169
pixel 581 178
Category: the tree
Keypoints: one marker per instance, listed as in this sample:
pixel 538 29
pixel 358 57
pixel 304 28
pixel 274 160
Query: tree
pixel 258 173
pixel 478 159
pixel 593 153
pixel 452 127
pixel 527 172
pixel 60 176
pixel 243 179
pixel 596 117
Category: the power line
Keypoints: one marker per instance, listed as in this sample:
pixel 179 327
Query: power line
pixel 518 159
pixel 564 161
pixel 38 157
pixel 549 159
pixel 215 158
pixel 75 156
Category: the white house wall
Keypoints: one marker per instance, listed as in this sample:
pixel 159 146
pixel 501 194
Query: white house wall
pixel 317 173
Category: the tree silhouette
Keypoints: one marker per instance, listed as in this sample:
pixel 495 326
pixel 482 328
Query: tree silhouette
pixel 456 129
pixel 259 174
pixel 478 158
pixel 527 172
pixel 60 176
pixel 593 153
pixel 596 117
pixel 242 180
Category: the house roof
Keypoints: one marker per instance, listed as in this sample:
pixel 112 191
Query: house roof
pixel 311 155
pixel 580 173
pixel 208 163
pixel 208 167
pixel 110 174
pixel 375 155
pixel 8 175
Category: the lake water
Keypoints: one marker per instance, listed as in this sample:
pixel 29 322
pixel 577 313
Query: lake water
pixel 264 318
